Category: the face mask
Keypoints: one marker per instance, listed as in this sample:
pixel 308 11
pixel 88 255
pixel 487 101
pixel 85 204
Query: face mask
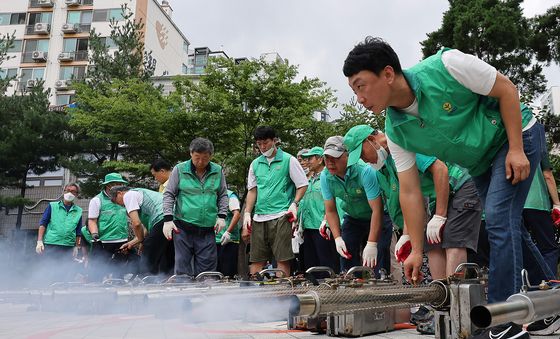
pixel 381 157
pixel 69 197
pixel 269 153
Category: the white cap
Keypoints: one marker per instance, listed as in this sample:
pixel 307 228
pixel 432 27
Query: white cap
pixel 334 146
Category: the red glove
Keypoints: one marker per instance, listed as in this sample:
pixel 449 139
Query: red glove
pixel 556 215
pixel 403 248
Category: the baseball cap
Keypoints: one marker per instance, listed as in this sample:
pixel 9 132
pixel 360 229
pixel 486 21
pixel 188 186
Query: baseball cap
pixel 353 142
pixel 334 146
pixel 313 151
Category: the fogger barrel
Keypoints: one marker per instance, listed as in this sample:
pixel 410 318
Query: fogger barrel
pixel 316 303
pixel 521 308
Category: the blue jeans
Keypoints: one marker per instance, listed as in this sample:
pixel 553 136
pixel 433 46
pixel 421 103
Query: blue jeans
pixel 355 233
pixel 503 204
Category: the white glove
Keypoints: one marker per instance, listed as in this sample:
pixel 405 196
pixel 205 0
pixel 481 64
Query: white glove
pixel 293 211
pixel 247 222
pixel 434 231
pixel 226 238
pixel 220 224
pixel 75 251
pixel 369 256
pixel 403 248
pixel 168 229
pixel 40 248
pixel 341 248
pixel 324 231
pixel 299 236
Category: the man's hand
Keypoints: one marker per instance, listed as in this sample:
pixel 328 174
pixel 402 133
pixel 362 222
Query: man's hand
pixel 434 231
pixel 403 248
pixel 412 266
pixel 341 248
pixel 40 248
pixel 370 254
pixel 220 224
pixel 226 238
pixel 75 251
pixel 247 222
pixel 292 217
pixel 95 237
pixel 517 166
pixel 168 229
pixel 324 231
pixel 556 215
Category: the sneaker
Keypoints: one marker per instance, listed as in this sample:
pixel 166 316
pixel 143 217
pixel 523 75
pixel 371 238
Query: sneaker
pixel 422 315
pixel 545 326
pixel 504 331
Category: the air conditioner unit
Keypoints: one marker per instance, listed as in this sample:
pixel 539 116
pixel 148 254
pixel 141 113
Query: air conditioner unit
pixel 71 28
pixel 70 3
pixel 45 3
pixel 66 56
pixel 39 56
pixel 62 85
pixel 30 83
pixel 41 28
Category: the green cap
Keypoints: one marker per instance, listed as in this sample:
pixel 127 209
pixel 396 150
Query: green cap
pixel 353 141
pixel 113 177
pixel 313 151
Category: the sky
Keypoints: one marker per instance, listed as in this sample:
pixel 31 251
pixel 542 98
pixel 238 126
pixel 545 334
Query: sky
pixel 317 35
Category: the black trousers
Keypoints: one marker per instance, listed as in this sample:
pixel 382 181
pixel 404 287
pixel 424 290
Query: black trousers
pixel 319 252
pixel 227 258
pixel 158 256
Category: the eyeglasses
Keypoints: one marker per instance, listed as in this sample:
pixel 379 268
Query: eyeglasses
pixel 74 191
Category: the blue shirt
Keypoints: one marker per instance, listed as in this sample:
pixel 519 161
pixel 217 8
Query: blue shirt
pixel 368 181
pixel 46 218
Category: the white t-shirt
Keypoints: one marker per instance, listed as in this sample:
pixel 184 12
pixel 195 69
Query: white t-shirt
pixel 133 200
pixel 297 174
pixel 234 204
pixel 94 208
pixel 469 71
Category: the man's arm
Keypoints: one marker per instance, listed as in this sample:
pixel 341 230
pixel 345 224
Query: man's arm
pixel 250 200
pixel 331 214
pixel 170 194
pixel 45 219
pixel 234 220
pixel 223 199
pixel 376 222
pixel 517 164
pixel 440 175
pixel 412 204
pixel 551 185
pixel 300 192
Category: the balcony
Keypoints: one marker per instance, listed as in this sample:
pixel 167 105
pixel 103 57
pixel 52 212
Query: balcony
pixel 73 56
pixel 34 56
pixel 75 28
pixel 40 28
pixel 41 3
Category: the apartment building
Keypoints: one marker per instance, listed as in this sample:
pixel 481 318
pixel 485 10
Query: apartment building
pixel 551 100
pixel 52 39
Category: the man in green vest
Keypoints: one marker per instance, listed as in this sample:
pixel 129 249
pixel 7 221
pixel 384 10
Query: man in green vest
pixel 145 211
pixel 58 238
pixel 276 184
pixel 357 188
pixel 108 229
pixel 317 251
pixel 460 109
pixel 195 205
pixel 227 240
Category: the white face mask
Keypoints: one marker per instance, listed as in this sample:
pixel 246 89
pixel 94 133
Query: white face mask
pixel 269 153
pixel 69 197
pixel 382 156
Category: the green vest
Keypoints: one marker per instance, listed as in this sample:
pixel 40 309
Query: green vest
pixel 151 211
pixel 454 124
pixel 235 232
pixel 312 206
pixel 538 198
pixel 112 222
pixel 351 191
pixel 275 188
pixel 61 229
pixel 457 176
pixel 389 185
pixel 197 202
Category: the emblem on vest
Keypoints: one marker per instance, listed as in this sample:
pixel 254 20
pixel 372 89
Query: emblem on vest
pixel 277 167
pixel 448 107
pixel 358 191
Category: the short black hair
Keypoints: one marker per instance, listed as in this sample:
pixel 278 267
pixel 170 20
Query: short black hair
pixel 372 54
pixel 160 164
pixel 264 132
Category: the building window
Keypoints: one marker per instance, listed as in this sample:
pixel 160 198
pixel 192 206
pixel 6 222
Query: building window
pixel 33 183
pixel 12 19
pixel 83 18
pixel 36 73
pixel 15 46
pixel 79 47
pixel 43 17
pixel 6 73
pixel 53 182
pixel 64 99
pixel 41 45
pixel 108 42
pixel 72 72
pixel 107 14
pixel 185 69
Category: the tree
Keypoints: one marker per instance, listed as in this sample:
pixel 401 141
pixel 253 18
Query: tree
pixel 495 31
pixel 120 116
pixel 232 99
pixel 6 42
pixel 355 114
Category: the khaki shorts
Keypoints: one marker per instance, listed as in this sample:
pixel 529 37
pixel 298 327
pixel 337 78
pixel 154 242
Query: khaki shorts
pixel 271 240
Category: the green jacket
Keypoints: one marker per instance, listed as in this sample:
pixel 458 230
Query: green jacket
pixel 151 211
pixel 454 124
pixel 61 229
pixel 113 221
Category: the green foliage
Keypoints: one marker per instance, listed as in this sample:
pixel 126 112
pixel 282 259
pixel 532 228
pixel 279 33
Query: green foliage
pixel 496 32
pixel 545 39
pixel 6 42
pixel 355 114
pixel 231 100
